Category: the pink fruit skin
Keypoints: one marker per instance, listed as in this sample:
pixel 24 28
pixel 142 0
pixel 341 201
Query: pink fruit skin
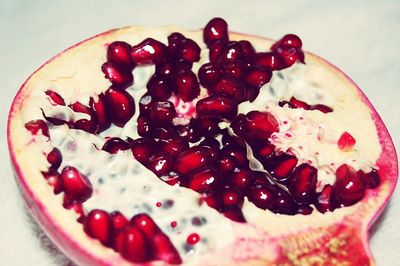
pixel 387 164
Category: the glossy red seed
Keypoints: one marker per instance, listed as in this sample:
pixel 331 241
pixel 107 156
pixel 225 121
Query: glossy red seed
pixel 191 159
pixel 119 52
pixel 99 109
pixel 53 179
pixel 76 185
pixel 206 126
pixel 256 126
pixel 217 106
pixel 134 246
pixel 174 146
pixel 114 145
pixel 212 147
pixel 98 225
pixel 142 149
pixel 143 126
pixel 54 157
pixel 230 88
pixel 263 196
pixel 296 103
pixel 38 127
pixel 290 55
pixel 257 77
pixel 209 74
pixel 231 51
pixel 241 178
pixel 289 40
pixel 165 250
pixel 165 69
pixel 371 179
pixel 193 239
pixel 159 87
pixel 281 166
pixel 118 220
pixel 204 180
pixel 187 86
pixel 162 113
pixel 346 142
pixel 322 108
pixel 237 152
pixel 146 224
pixel 233 69
pixel 120 106
pixel 234 213
pixel 232 197
pixel 215 50
pixel 215 30
pixel 117 74
pixel 162 133
pixel 160 163
pixel 174 40
pixel 212 198
pixel 248 49
pixel 325 199
pixel 149 51
pixel 188 50
pixel 349 189
pixel 226 164
pixel 302 183
pixel 188 133
pixel 284 203
pixel 55 98
pixel 88 125
pixel 270 60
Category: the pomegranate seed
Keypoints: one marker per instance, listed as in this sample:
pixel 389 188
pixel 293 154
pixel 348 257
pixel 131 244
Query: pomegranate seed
pixel 98 225
pixel 146 224
pixel 119 52
pixel 188 50
pixel 206 126
pixel 322 108
pixel 55 98
pixel 289 40
pixel 145 104
pixel 290 55
pixel 117 74
pixel 248 49
pixel 212 198
pixel 165 69
pixel 76 185
pixel 143 126
pixel 174 146
pixel 281 166
pixel 230 88
pixel 209 74
pixel 257 77
pixel 204 180
pixel 193 239
pixel 120 105
pixel 53 179
pixel 191 159
pixel 159 87
pixel 371 179
pixel 346 142
pixel 118 220
pixel 165 250
pixel 269 60
pixel 211 146
pixel 114 145
pixel 149 51
pixel 163 133
pixel 215 50
pixel 162 113
pixel 234 213
pixel 226 164
pixel 187 86
pixel 233 69
pixel 160 163
pixel 188 133
pixel 174 40
pixel 134 246
pixel 36 126
pixel 295 103
pixel 241 178
pixel 88 125
pixel 237 152
pixel 284 204
pixel 349 189
pixel 217 106
pixel 302 183
pixel 231 51
pixel 99 110
pixel 54 157
pixel 232 196
pixel 142 149
pixel 263 196
pixel 263 151
pixel 215 30
pixel 325 199
pixel 256 126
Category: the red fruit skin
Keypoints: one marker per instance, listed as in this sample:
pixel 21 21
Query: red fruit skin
pixel 352 233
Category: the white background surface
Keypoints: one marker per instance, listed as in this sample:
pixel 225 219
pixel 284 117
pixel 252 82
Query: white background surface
pixel 360 37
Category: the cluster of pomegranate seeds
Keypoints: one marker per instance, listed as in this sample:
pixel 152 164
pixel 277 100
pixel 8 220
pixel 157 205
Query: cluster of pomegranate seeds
pixel 200 155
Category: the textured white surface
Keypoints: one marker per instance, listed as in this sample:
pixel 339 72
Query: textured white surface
pixel 360 37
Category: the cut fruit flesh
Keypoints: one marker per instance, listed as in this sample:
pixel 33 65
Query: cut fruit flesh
pixel 282 239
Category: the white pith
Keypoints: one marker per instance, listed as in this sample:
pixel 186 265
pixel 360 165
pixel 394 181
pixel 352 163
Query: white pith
pixel 73 84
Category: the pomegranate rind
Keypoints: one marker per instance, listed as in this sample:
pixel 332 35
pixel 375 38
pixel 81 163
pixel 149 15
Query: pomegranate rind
pixel 340 237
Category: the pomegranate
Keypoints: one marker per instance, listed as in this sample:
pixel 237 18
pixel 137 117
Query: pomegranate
pixel 200 152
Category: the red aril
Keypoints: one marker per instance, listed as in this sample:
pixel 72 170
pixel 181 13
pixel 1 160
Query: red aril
pixel 120 106
pixel 119 52
pixel 98 224
pixel 149 51
pixel 76 184
pixel 215 30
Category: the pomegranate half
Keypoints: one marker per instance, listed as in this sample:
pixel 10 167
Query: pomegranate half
pixel 328 237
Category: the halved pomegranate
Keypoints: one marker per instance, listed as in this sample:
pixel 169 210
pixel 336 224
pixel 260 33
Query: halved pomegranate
pixel 228 162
